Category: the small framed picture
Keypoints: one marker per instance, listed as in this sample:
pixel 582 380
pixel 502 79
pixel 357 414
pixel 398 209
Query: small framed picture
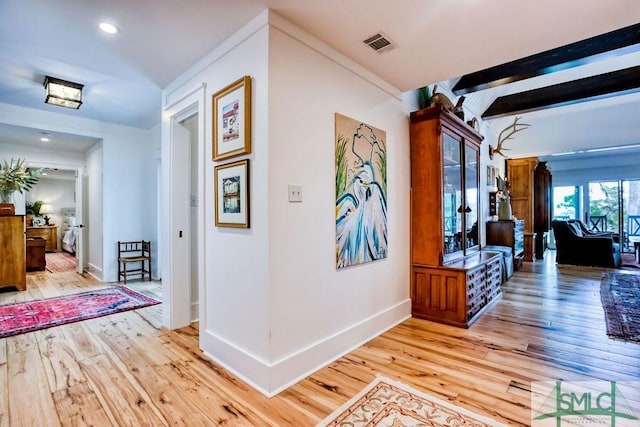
pixel 232 120
pixel 232 194
pixel 492 172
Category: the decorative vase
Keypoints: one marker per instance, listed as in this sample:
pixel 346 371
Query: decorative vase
pixel 504 209
pixel 5 197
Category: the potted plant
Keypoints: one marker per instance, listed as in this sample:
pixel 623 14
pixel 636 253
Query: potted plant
pixel 15 176
pixel 32 210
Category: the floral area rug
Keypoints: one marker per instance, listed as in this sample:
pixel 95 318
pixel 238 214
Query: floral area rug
pixel 385 402
pixel 59 262
pixel 620 295
pixel 31 316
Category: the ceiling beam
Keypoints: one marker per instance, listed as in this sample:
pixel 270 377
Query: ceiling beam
pixel 616 42
pixel 586 89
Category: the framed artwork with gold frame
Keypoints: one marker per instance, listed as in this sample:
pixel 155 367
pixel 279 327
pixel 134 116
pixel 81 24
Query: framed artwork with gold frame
pixel 232 194
pixel 232 120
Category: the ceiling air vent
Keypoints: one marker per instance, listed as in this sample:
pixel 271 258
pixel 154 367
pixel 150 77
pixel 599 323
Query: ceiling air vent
pixel 379 42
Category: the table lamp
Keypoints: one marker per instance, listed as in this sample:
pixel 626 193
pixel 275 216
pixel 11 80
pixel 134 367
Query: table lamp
pixel 45 210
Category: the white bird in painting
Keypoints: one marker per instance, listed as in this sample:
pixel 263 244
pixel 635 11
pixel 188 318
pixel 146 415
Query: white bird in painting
pixel 361 218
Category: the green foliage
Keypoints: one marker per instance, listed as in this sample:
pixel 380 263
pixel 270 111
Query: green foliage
pixel 381 162
pixel 34 208
pixel 569 202
pixel 423 97
pixel 341 166
pixel 14 176
pixel 603 201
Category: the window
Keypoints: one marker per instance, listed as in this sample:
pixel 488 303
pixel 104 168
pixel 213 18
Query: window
pixel 566 202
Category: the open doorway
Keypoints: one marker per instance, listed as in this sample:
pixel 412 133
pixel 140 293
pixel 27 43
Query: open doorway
pixel 53 211
pixel 183 249
pixel 191 125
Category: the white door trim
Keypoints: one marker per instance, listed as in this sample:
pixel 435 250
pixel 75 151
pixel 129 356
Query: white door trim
pixel 176 310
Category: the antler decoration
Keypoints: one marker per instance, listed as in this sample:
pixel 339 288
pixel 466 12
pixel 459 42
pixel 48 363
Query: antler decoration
pixel 511 130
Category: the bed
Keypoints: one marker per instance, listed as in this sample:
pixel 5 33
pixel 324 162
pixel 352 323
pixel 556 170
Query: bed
pixel 68 230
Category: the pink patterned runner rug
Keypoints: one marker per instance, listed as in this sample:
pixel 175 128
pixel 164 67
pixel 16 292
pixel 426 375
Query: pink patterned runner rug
pixel 385 402
pixel 31 316
pixel 59 262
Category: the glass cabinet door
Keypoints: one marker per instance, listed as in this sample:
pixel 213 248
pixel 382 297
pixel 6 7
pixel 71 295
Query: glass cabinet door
pixel 471 196
pixel 452 194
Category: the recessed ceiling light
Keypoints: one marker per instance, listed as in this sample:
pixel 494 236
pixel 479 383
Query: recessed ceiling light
pixel 45 139
pixel 108 28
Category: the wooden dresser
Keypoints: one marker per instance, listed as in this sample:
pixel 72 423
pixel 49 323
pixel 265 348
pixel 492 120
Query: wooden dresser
pixel 48 233
pixel 12 244
pixel 452 281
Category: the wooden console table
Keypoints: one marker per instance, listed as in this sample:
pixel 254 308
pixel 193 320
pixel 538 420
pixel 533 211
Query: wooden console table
pixel 48 233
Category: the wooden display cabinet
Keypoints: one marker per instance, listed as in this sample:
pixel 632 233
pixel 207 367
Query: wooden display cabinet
pixel 531 201
pixel 451 280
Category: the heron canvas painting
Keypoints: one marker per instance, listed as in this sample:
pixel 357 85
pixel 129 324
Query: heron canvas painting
pixel 361 192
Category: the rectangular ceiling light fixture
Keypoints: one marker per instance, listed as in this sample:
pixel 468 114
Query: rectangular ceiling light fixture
pixel 63 93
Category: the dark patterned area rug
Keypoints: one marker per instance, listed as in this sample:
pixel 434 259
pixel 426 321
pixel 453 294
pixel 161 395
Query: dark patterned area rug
pixel 620 294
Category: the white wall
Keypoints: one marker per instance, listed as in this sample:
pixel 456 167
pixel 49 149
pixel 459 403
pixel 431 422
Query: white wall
pixel 127 204
pixel 317 312
pixel 126 153
pixel 275 308
pixel 234 308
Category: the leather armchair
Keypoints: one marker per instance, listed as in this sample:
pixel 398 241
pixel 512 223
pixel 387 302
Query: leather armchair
pixel 578 248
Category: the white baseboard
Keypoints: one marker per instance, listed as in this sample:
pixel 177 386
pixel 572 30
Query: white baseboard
pixel 195 311
pixel 272 378
pixel 94 271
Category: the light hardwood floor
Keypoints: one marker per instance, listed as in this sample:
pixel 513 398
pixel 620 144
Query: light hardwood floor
pixel 126 369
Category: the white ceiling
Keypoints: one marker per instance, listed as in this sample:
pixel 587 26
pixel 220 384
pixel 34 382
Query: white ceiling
pixel 435 41
pixel 58 141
